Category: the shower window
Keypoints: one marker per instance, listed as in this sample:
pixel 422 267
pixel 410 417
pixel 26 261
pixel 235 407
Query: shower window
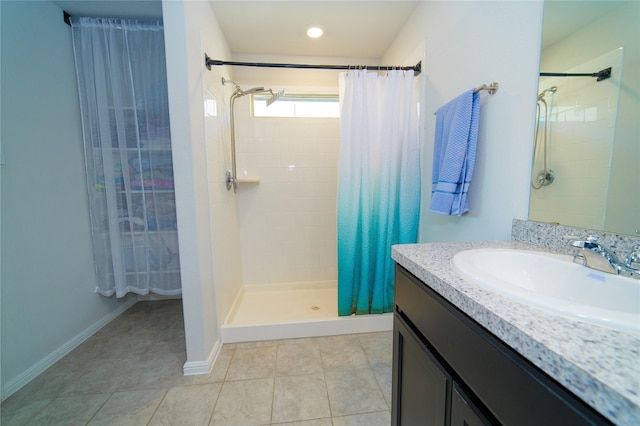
pixel 298 105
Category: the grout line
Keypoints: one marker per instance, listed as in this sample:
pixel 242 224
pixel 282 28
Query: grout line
pixel 159 404
pixel 273 394
pixel 226 371
pixel 326 386
pixel 215 405
pixel 100 408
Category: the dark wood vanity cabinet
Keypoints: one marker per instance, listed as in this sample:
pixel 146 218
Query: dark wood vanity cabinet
pixel 426 394
pixel 449 370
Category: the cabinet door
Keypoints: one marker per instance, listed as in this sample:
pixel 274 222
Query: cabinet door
pixel 420 385
pixel 463 411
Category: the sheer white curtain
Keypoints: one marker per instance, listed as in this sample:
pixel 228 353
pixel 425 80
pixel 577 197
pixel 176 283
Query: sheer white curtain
pixel 121 73
pixel 378 185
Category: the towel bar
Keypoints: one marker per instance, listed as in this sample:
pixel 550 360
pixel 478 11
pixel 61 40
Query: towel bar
pixel 491 88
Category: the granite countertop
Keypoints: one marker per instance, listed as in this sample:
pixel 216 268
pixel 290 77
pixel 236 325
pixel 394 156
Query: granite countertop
pixel 599 365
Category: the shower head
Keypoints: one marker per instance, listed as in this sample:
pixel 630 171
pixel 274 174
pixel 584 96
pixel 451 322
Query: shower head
pixel 551 90
pixel 275 97
pixel 253 90
pixel 238 93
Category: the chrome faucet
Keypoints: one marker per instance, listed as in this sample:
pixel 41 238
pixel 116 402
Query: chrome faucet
pixel 633 260
pixel 594 255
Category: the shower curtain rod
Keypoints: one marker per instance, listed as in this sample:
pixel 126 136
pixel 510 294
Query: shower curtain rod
pixel 417 68
pixel 601 75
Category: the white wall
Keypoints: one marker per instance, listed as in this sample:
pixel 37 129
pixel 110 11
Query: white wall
pixel 208 233
pixel 48 299
pixel 464 45
pixel 288 220
pixel 223 203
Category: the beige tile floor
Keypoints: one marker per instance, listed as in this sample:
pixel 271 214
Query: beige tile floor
pixel 130 373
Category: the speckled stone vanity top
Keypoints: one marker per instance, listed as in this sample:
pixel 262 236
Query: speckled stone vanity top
pixel 599 365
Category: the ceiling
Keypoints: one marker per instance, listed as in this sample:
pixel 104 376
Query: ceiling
pixel 356 29
pixel 128 9
pixel 353 28
pixel 562 17
pixel 362 29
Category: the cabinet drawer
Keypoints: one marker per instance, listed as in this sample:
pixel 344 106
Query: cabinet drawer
pixel 515 391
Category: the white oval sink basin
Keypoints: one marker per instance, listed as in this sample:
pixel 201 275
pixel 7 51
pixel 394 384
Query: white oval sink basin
pixel 554 283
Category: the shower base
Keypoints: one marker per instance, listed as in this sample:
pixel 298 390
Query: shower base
pixel 285 311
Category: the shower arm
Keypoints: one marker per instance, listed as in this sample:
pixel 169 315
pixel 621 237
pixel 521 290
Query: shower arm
pixel 231 176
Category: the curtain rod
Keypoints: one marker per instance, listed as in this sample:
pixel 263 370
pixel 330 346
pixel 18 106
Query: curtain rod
pixel 417 68
pixel 601 75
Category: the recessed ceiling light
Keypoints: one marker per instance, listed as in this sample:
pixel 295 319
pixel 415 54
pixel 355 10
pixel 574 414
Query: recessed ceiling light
pixel 315 31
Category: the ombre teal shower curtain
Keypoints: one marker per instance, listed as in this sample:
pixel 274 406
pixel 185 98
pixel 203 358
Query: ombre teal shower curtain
pixel 378 185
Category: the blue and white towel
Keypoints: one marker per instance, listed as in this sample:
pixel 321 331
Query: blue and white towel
pixel 454 154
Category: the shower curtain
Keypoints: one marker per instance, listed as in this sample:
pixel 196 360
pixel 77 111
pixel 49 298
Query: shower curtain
pixel 121 72
pixel 378 185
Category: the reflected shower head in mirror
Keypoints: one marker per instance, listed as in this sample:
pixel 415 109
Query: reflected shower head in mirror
pixel 551 90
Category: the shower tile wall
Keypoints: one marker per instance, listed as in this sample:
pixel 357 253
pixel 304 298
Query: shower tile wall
pixel 582 124
pixel 288 220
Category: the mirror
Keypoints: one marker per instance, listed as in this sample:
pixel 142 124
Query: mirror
pixel 586 168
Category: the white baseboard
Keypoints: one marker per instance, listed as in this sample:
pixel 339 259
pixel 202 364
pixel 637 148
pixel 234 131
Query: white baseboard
pixel 16 384
pixel 193 368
